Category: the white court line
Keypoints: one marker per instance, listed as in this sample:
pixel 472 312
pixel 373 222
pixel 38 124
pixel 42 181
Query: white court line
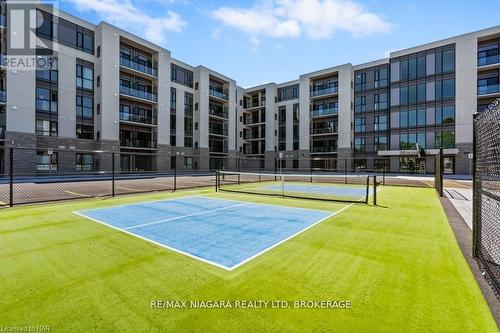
pixel 211 262
pixel 184 216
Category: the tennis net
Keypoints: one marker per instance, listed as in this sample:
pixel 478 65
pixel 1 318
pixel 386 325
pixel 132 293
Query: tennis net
pixel 344 188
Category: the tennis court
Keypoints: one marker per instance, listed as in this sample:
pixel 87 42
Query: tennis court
pixel 221 232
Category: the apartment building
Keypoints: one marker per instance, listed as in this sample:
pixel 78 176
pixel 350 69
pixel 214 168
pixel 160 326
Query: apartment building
pixel 114 91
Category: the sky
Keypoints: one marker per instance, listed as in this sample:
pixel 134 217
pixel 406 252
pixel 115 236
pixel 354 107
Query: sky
pixel 260 41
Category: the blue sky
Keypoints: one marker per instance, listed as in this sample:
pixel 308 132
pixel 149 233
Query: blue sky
pixel 277 40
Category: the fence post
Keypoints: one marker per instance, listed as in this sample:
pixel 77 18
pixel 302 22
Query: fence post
pixel 113 174
pixel 216 180
pixel 11 177
pixel 383 175
pixel 441 172
pixel 476 193
pixel 275 168
pixel 345 170
pixel 375 190
pixel 367 189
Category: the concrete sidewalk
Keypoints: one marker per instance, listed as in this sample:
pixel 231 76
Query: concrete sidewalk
pixel 461 198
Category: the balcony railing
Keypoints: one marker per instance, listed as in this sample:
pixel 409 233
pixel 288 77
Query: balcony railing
pixel 138 66
pixel 3 96
pixel 324 130
pixel 488 60
pixel 256 104
pixel 324 91
pixel 3 20
pixel 137 118
pixel 2 132
pixel 250 136
pixel 218 112
pixel 215 149
pixel 324 112
pixel 217 131
pixel 489 89
pixel 138 143
pixel 138 93
pixel 218 93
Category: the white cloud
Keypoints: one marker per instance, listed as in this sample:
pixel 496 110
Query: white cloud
pixel 317 19
pixel 129 17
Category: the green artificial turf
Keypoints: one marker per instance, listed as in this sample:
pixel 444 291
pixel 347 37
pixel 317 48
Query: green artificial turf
pixel 399 265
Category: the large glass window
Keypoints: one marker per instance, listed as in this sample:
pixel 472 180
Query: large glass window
pixel 380 143
pixel 84 77
pixel 448 61
pixel 445 114
pixel 412 69
pixel 380 123
pixel 403 95
pixel 445 89
pixel 412 94
pixel 46 127
pixel 84 131
pixel 488 85
pixel 421 66
pixel 381 78
pixel 488 54
pixel 381 101
pixel 360 125
pixel 46 161
pixel 445 138
pixel 421 92
pixel 360 104
pixel 421 117
pixel 412 118
pixel 403 119
pixel 46 100
pixel 84 107
pixel 403 70
pixel 84 162
pixel 359 82
pixel 360 144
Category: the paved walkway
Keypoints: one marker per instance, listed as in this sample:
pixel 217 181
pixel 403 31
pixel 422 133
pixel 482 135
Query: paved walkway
pixel 461 198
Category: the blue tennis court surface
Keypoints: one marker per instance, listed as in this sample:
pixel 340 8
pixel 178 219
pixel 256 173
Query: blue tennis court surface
pixel 339 190
pixel 221 232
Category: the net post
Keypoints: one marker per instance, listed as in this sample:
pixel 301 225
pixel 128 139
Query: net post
pixel 282 185
pixel 260 177
pixel 11 176
pixel 345 170
pixel 275 168
pixel 311 178
pixel 375 190
pixel 113 174
pixel 383 175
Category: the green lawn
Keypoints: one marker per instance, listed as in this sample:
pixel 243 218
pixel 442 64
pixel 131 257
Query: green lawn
pixel 399 265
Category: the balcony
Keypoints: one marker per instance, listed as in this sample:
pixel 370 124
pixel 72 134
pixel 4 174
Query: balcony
pixel 218 93
pixel 137 118
pixel 218 111
pixel 217 130
pixel 2 132
pixel 218 149
pixel 488 89
pixel 3 21
pixel 140 67
pixel 488 60
pixel 253 136
pixel 324 130
pixel 324 91
pixel 129 91
pixel 138 143
pixel 255 104
pixel 3 96
pixel 324 112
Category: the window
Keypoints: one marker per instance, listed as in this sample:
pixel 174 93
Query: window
pixel 360 82
pixel 188 162
pixel 360 144
pixel 421 66
pixel 412 94
pixel 403 119
pixel 488 54
pixel 295 92
pixel 403 70
pixel 380 123
pixel 84 107
pixel 84 77
pixel 403 95
pixel 381 101
pixel 381 78
pixel 84 131
pixel 46 75
pixel 488 85
pixel 445 61
pixel 46 100
pixel 421 92
pixel 421 139
pixel 380 143
pixel 173 98
pixel 412 69
pixel 46 161
pixel 412 118
pixel 84 162
pixel 445 138
pixel 445 115
pixel 445 89
pixel 360 125
pixel 46 127
pixel 421 117
pixel 360 104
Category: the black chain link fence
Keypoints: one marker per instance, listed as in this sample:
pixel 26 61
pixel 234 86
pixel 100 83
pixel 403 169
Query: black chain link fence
pixel 43 175
pixel 486 201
